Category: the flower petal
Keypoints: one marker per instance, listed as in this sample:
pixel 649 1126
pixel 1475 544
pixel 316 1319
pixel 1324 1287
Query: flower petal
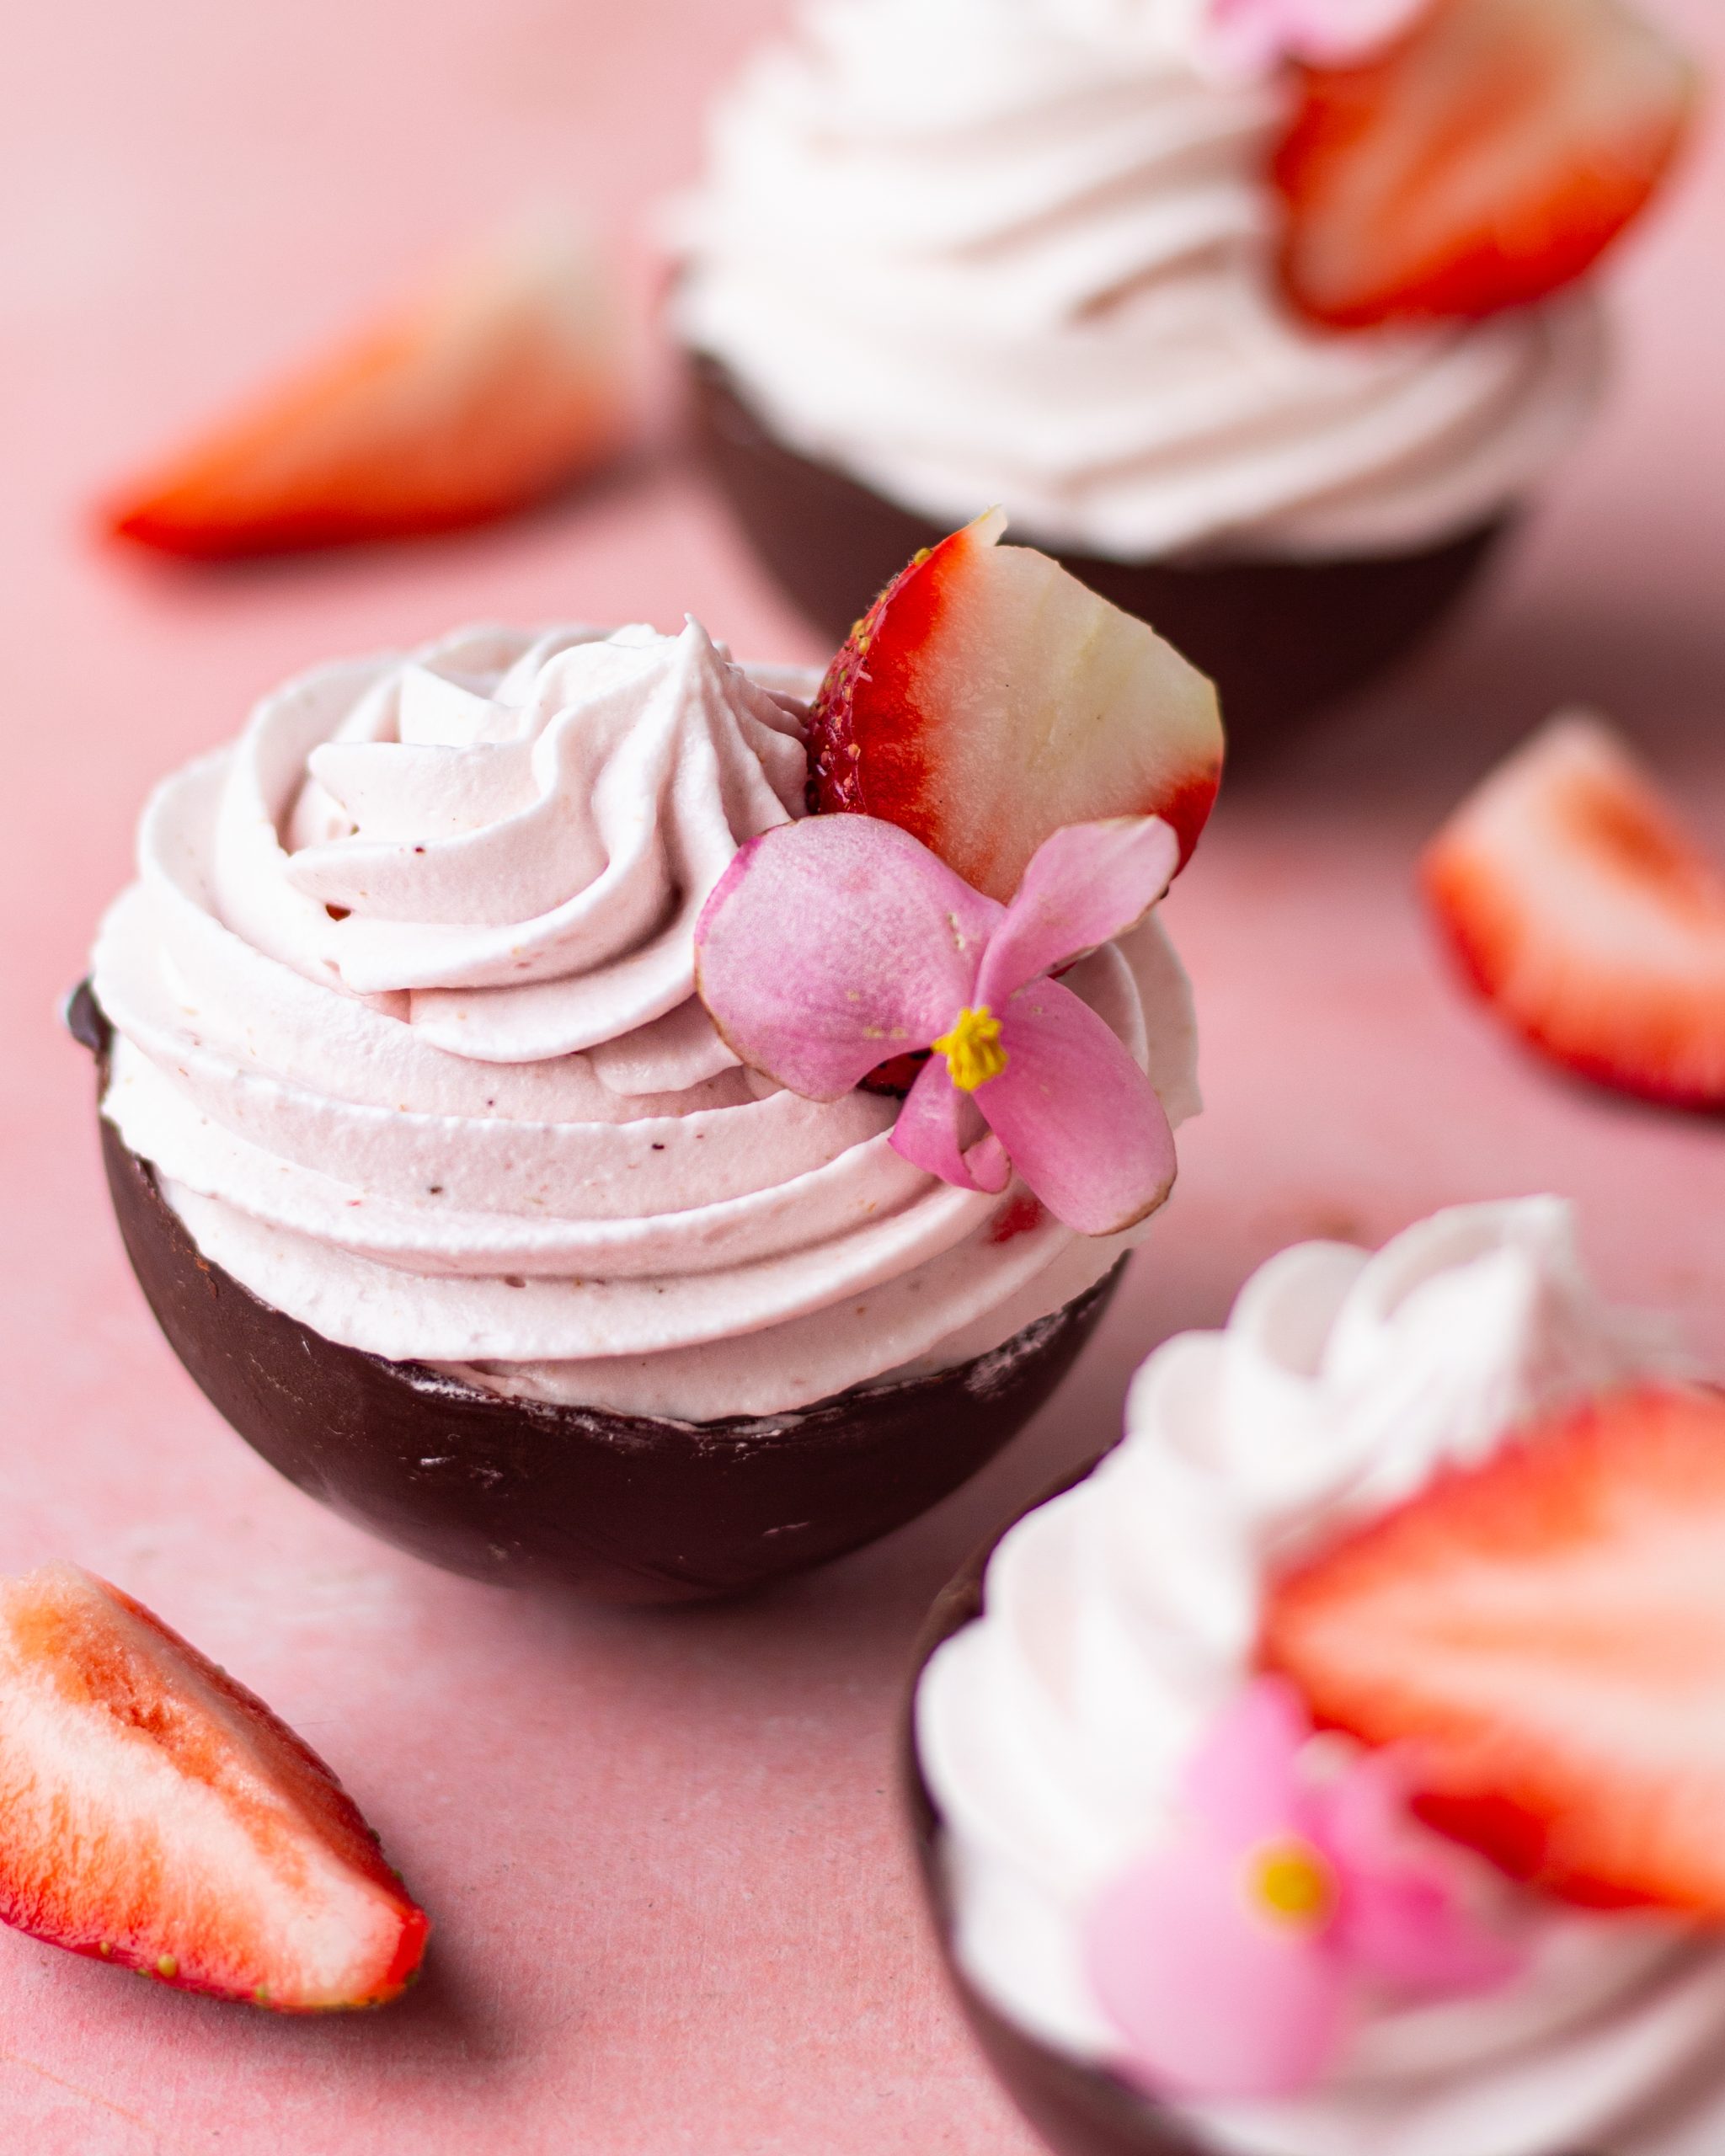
pixel 1248 37
pixel 1243 1782
pixel 1086 884
pixel 935 1126
pixel 1079 1119
pixel 1211 2000
pixel 831 944
pixel 1411 1931
pixel 1402 1917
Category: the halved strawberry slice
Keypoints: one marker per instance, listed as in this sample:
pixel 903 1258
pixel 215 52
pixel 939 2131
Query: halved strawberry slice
pixel 153 1813
pixel 504 382
pixel 1488 158
pixel 988 698
pixel 1546 1635
pixel 1587 917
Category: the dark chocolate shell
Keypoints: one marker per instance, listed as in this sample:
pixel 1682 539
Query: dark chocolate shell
pixel 1280 639
pixel 623 1507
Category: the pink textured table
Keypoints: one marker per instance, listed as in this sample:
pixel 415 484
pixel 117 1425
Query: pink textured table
pixel 660 1851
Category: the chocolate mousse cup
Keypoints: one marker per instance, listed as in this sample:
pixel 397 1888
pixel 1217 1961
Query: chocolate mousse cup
pixel 619 1507
pixel 1281 640
pixel 447 1189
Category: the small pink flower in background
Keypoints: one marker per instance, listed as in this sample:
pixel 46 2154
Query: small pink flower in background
pixel 1251 36
pixel 1231 1960
pixel 833 944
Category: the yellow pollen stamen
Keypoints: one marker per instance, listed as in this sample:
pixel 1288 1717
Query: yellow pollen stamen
pixel 1290 1883
pixel 973 1049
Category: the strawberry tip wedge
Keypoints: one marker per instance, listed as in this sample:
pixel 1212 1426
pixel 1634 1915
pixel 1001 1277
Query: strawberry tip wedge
pixel 1544 1636
pixel 502 382
pixel 1486 159
pixel 1575 903
pixel 988 699
pixel 155 1814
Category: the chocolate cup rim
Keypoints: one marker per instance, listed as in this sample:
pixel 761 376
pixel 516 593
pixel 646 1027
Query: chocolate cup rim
pixel 1197 560
pixel 1246 618
pixel 877 1451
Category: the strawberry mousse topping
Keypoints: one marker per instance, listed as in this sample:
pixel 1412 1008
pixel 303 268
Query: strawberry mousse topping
pixel 405 1022
pixel 1336 1765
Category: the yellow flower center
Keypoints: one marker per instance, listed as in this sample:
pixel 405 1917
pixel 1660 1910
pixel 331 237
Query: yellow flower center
pixel 1291 1884
pixel 973 1049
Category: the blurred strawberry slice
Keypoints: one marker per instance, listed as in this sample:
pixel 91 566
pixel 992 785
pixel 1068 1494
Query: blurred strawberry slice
pixel 1587 916
pixel 153 1813
pixel 988 698
pixel 1487 159
pixel 1545 1635
pixel 502 382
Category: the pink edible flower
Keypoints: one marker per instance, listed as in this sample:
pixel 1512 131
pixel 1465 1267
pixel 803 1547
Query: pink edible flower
pixel 1233 1959
pixel 833 944
pixel 1253 36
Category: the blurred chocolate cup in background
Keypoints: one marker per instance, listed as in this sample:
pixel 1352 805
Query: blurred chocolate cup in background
pixel 1281 640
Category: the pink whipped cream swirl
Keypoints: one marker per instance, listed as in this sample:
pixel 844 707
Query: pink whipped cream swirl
pixel 405 1023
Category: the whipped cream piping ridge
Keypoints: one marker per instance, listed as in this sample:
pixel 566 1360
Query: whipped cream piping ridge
pixel 404 1021
pixel 1120 1616
pixel 1019 251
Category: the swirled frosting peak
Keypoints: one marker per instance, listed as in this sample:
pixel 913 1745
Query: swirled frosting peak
pixel 404 1022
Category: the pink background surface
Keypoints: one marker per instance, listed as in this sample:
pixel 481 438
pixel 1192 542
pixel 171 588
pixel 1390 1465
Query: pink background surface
pixel 660 1851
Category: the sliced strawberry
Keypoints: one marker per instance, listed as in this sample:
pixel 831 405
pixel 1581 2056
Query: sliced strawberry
pixel 153 1813
pixel 1488 158
pixel 1586 916
pixel 988 698
pixel 501 384
pixel 1546 1634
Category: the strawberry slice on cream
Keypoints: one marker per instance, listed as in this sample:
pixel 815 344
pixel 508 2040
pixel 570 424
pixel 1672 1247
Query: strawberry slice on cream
pixel 988 699
pixel 1546 1634
pixel 1486 159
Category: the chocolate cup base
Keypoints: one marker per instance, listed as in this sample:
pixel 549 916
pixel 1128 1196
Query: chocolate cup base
pixel 1078 2109
pixel 1280 639
pixel 620 1507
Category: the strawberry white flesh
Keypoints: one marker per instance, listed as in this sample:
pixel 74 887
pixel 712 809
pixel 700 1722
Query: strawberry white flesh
pixel 502 383
pixel 989 698
pixel 1545 1636
pixel 154 1813
pixel 1484 161
pixel 1587 917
